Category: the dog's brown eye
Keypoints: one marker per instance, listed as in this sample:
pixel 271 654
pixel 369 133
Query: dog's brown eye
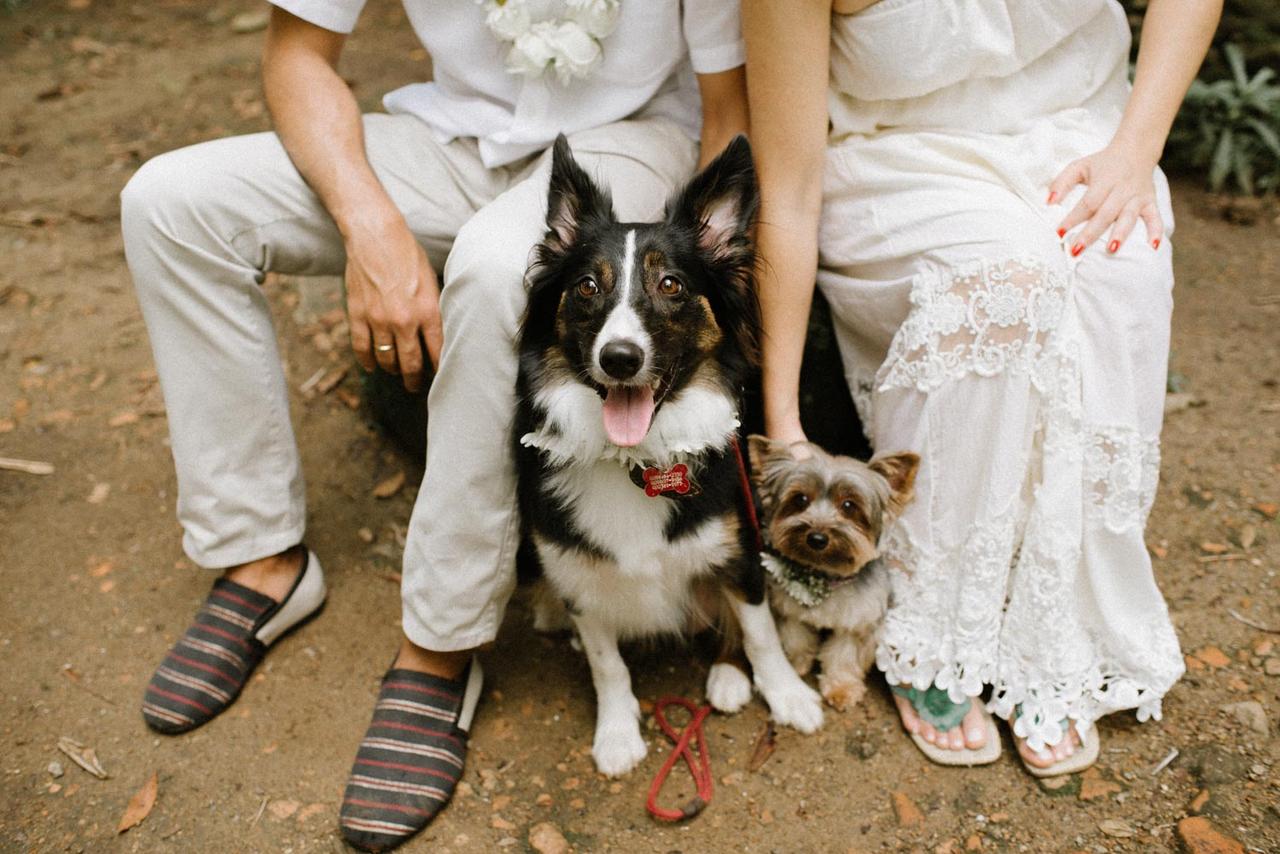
pixel 848 505
pixel 588 288
pixel 799 501
pixel 670 286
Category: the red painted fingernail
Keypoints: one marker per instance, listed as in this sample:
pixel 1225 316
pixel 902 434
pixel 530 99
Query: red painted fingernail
pixel 1155 244
pixel 1113 246
pixel 1053 197
pixel 1077 249
pixel 1062 232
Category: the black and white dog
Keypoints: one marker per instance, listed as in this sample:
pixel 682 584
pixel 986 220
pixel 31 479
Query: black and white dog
pixel 636 340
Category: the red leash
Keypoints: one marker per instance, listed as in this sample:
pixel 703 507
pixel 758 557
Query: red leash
pixel 699 770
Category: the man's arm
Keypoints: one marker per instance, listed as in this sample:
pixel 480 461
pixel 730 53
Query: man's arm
pixel 724 110
pixel 392 292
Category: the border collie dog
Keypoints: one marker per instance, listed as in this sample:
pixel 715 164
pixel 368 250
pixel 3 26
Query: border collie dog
pixel 636 340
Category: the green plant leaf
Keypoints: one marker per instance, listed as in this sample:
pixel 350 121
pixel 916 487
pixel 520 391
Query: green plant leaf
pixel 1220 166
pixel 1270 138
pixel 1243 169
pixel 1235 59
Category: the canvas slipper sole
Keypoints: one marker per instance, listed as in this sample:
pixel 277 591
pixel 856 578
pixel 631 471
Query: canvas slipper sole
pixel 411 758
pixel 1085 755
pixel 204 672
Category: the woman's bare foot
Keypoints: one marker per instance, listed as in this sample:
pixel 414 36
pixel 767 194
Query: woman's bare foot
pixel 1052 752
pixel 271 576
pixel 971 734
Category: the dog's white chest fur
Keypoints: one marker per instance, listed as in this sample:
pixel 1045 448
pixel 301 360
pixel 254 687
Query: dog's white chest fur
pixel 644 585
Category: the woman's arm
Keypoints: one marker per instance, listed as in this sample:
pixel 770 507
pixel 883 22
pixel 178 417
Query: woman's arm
pixel 392 292
pixel 788 45
pixel 724 110
pixel 1175 37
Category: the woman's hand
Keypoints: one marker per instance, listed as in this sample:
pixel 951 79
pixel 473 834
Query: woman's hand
pixel 393 300
pixel 1120 191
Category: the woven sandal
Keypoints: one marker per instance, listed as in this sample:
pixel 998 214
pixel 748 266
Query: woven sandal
pixel 206 669
pixel 935 708
pixel 1083 757
pixel 411 758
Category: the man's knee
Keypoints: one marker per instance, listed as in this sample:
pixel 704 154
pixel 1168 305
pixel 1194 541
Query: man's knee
pixel 155 193
pixel 484 277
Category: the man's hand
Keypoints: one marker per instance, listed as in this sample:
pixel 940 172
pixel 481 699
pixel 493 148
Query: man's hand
pixel 393 299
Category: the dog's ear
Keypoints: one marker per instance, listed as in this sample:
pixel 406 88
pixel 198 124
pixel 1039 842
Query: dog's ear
pixel 721 201
pixel 572 198
pixel 719 205
pixel 770 462
pixel 900 471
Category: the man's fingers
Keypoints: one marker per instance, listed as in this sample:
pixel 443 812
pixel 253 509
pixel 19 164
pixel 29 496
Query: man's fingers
pixel 1072 175
pixel 409 353
pixel 1155 224
pixel 361 340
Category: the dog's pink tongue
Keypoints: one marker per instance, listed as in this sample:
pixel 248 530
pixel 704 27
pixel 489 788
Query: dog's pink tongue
pixel 627 413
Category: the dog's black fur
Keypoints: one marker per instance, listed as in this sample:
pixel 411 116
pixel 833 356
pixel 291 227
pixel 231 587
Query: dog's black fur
pixel 584 239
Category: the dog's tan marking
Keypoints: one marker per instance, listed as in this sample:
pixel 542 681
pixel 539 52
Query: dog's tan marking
pixel 608 276
pixel 709 335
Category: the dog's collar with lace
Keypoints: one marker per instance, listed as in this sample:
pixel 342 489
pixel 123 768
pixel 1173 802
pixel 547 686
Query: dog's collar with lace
pixel 808 586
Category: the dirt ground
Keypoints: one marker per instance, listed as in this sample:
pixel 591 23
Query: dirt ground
pixel 96 586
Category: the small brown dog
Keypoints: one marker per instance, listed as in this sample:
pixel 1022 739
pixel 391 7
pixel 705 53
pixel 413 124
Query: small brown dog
pixel 822 517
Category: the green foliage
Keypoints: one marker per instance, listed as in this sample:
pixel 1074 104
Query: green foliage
pixel 1231 127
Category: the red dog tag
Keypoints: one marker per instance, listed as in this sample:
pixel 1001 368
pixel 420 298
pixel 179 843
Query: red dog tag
pixel 674 479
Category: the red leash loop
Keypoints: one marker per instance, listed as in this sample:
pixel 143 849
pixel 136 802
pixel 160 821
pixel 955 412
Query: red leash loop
pixel 699 770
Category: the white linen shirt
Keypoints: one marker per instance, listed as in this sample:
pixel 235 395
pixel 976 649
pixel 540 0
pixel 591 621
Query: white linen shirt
pixel 648 68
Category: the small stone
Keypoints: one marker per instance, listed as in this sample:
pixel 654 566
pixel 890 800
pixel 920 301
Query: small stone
pixel 577 804
pixel 1094 786
pixel 250 22
pixel 1198 802
pixel 973 843
pixel 1214 765
pixel 500 823
pixel 908 813
pixel 1118 828
pixel 365 535
pixel 543 800
pixel 546 838
pixel 1063 785
pixel 1271 667
pixel 1213 656
pixel 998 817
pixel 500 802
pixel 55 769
pixel 571 784
pixel 282 809
pixel 1263 646
pixel 1250 713
pixel 1199 836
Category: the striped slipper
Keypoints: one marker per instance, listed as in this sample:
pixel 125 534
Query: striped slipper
pixel 411 757
pixel 204 671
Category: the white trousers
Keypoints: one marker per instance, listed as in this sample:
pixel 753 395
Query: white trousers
pixel 203 225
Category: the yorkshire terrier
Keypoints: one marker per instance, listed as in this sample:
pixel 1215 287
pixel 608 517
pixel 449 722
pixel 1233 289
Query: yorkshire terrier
pixel 822 517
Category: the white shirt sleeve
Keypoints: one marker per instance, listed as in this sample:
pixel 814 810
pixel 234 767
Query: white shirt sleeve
pixel 339 16
pixel 713 32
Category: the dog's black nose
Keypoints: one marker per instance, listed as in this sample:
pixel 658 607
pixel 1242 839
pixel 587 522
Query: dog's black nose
pixel 817 540
pixel 621 359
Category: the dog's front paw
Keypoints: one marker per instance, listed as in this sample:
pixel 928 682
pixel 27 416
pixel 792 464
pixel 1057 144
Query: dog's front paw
pixel 795 705
pixel 841 694
pixel 728 688
pixel 618 748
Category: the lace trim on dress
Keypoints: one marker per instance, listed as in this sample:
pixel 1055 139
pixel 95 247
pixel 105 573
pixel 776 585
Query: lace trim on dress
pixel 1001 607
pixel 985 318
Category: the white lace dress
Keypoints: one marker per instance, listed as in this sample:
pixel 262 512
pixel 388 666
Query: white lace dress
pixel 1031 382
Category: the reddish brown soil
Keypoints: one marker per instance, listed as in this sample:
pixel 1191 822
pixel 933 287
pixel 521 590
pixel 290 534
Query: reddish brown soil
pixel 96 587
